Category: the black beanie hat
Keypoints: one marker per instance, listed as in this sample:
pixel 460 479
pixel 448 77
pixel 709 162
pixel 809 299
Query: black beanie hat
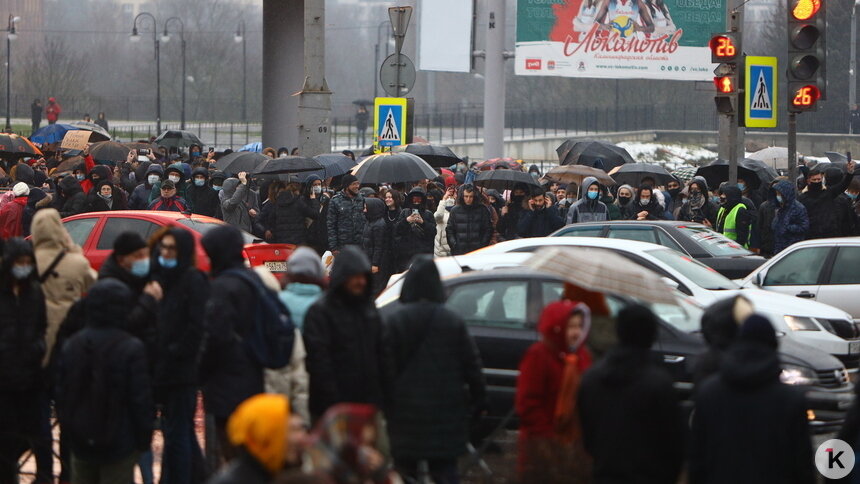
pixel 637 326
pixel 758 329
pixel 128 242
pixel 347 180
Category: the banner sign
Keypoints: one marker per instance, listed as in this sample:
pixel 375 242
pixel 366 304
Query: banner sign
pixel 618 39
pixel 76 139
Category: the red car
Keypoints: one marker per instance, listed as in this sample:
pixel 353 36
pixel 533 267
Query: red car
pixel 95 232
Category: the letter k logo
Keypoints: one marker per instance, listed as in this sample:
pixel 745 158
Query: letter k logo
pixel 834 459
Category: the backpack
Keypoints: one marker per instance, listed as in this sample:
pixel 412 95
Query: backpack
pixel 270 341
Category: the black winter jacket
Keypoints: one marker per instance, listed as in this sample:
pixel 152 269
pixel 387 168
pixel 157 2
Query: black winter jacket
pixel 375 243
pixel 290 213
pixel 203 200
pixel 823 209
pixel 539 223
pixel 76 200
pixel 469 226
pixel 345 221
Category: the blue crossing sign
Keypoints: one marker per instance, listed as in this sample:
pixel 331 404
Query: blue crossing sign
pixel 760 92
pixel 389 121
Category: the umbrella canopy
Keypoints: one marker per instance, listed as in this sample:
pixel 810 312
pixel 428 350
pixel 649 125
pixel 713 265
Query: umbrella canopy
pixel 835 157
pixel 253 147
pixel 240 161
pixel 137 145
pixel 109 151
pixel 177 139
pixel 506 180
pixel 775 157
pixel 393 168
pixel 435 155
pixel 287 164
pixel 753 171
pixel 597 154
pixel 601 270
pixel 633 173
pixel 762 170
pixel 496 163
pixel 14 145
pixel 99 133
pixel 577 173
pixel 334 164
pixel 52 133
pixel 685 173
pixel 68 164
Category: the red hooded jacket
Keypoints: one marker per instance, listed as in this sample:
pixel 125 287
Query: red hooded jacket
pixel 11 218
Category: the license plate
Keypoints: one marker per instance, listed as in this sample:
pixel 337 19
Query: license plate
pixel 854 347
pixel 280 266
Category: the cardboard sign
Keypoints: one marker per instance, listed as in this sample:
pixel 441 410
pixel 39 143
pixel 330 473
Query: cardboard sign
pixel 76 140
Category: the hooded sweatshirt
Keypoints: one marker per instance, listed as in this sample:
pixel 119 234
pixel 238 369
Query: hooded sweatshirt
pixel 298 296
pixel 234 204
pixel 791 223
pixel 374 243
pixel 586 209
pixel 75 199
pixel 202 200
pixel 411 238
pixel 139 199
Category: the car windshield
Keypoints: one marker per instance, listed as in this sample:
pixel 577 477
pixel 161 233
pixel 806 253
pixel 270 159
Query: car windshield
pixel 203 227
pixel 714 243
pixel 698 273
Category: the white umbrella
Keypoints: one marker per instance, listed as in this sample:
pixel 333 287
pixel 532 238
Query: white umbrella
pixel 775 157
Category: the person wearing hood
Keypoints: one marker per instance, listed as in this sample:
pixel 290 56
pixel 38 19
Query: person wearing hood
pixel 540 219
pixel 415 229
pixel 469 225
pixel 105 198
pixel 719 327
pixel 180 174
pixel 430 359
pixel 291 214
pixel 75 199
pixel 624 201
pixel 628 407
pixel 217 178
pixel 646 206
pixel 317 237
pixel 850 209
pixel 12 213
pixel 534 171
pixel 673 187
pixel 169 201
pixel 771 417
pixel 306 277
pixel 269 438
pixel 23 321
pixel 791 223
pixel 611 208
pixel 343 336
pixel 345 218
pixel 764 215
pixel 442 215
pixel 375 244
pixel 510 213
pixel 95 175
pixel 734 219
pixel 698 208
pixel 53 110
pixel 547 386
pixel 820 201
pixel 588 208
pixel 151 176
pixel 104 393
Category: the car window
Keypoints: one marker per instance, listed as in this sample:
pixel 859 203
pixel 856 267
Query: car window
pixel 202 227
pixel 669 242
pixel 714 243
pixel 500 303
pixel 695 271
pixel 551 291
pixel 846 268
pixel 80 229
pixel 642 234
pixel 117 225
pixel 589 231
pixel 799 268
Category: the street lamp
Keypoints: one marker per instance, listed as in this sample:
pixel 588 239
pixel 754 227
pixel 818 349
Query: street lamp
pixel 852 68
pixel 165 37
pixel 241 38
pixel 135 37
pixel 11 34
pixel 376 53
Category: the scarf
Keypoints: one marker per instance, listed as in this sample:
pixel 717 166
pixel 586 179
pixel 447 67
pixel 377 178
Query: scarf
pixel 567 425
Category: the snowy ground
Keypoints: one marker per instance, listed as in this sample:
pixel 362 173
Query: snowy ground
pixel 670 156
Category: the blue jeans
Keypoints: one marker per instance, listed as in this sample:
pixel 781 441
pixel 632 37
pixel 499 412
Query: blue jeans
pixel 181 450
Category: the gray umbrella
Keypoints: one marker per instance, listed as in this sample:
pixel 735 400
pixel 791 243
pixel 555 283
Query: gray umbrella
pixel 240 161
pixel 99 133
pixel 633 173
pixel 174 138
pixel 287 164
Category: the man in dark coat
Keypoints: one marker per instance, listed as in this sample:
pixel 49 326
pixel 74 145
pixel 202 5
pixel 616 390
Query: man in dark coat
pixel 375 243
pixel 719 328
pixel 345 218
pixel 104 395
pixel 540 220
pixel 646 206
pixel 820 202
pixel 791 223
pixel 628 407
pixel 735 227
pixel 415 229
pixel 201 198
pixel 508 223
pixel 765 215
pixel 469 226
pixel 343 336
pixel 139 199
pixel 73 194
pixel 291 213
pixel 430 359
pixel 769 416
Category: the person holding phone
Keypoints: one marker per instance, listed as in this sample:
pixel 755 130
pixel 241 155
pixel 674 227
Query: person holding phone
pixel 443 211
pixel 415 229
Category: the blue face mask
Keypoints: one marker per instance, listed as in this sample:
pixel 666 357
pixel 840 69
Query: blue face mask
pixel 199 183
pixel 217 188
pixel 80 177
pixel 852 196
pixel 140 268
pixel 167 263
pixel 593 195
pixel 742 186
pixel 195 153
pixel 715 200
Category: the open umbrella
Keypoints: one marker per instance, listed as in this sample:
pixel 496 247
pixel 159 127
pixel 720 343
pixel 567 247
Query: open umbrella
pixel 240 161
pixel 597 154
pixel 177 139
pixel 684 173
pixel 99 133
pixel 363 102
pixel 602 271
pixel 138 145
pixel 334 164
pixel 68 164
pixel 256 147
pixel 762 170
pixel 52 133
pixel 577 173
pixel 835 157
pixel 14 145
pixel 507 180
pixel 753 171
pixel 109 151
pixel 496 163
pixel 775 156
pixel 393 168
pixel 435 155
pixel 633 173
pixel 287 164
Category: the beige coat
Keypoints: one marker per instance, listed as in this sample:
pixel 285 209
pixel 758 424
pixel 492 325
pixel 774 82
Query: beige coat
pixel 71 278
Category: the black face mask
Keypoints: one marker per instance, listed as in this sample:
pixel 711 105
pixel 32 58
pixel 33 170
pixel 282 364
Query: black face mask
pixel 815 186
pixel 674 192
pixel 517 199
pixel 624 200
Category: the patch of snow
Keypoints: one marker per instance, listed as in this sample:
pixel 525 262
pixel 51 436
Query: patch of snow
pixel 669 156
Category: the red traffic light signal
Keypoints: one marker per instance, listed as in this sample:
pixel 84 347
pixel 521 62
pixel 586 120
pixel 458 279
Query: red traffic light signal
pixel 725 84
pixel 724 48
pixel 805 97
pixel 805 9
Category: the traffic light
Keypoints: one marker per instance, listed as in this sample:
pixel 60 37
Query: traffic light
pixel 726 51
pixel 725 47
pixel 807 54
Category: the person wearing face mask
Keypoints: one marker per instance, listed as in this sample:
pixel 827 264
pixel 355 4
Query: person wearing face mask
pixel 317 236
pixel 589 208
pixel 139 199
pixel 624 201
pixel 101 199
pixel 734 219
pixel 23 321
pixel 765 215
pixel 469 226
pixel 194 152
pixel 180 175
pixel 374 243
pixel 217 178
pixel 201 198
pixel 851 208
pixel 749 194
pixel 607 199
pixel 442 215
pixel 510 213
pixel 539 220
pixel 698 208
pixel 74 199
pixel 97 174
pixel 415 229
pixel 290 215
pixel 820 201
pixel 791 223
pixel 673 187
pixel 646 206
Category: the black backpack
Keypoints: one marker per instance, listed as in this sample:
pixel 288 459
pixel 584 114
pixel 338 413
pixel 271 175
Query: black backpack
pixel 270 341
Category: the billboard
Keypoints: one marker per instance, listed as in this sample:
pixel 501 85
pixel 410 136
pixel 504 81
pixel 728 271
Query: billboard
pixel 445 35
pixel 618 39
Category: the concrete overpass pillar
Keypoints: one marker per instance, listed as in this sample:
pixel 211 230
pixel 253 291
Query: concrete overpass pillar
pixel 283 70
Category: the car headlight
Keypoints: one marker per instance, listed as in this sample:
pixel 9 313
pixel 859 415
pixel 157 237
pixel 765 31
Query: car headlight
pixel 797 375
pixel 801 323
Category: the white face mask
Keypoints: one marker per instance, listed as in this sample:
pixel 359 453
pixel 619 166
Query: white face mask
pixel 153 179
pixel 317 189
pixel 173 178
pixel 449 202
pixel 644 201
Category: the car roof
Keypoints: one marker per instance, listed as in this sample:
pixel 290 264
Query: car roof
pixel 829 241
pixel 665 223
pixel 151 214
pixel 600 242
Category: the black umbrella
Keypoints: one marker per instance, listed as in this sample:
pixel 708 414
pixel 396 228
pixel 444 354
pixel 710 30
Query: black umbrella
pixel 99 133
pixel 174 138
pixel 753 171
pixel 240 161
pixel 763 171
pixel 334 164
pixel 287 164
pixel 507 180
pixel 435 155
pixel 393 168
pixel 12 145
pixel 596 154
pixel 109 151
pixel 633 173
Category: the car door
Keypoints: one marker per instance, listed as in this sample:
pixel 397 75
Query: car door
pixel 842 287
pixel 111 229
pixel 82 230
pixel 798 273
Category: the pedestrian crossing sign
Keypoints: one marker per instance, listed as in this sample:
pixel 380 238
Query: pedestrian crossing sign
pixel 760 92
pixel 389 121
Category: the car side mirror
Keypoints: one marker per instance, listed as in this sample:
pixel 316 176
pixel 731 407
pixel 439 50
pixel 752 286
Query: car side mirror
pixel 759 278
pixel 670 282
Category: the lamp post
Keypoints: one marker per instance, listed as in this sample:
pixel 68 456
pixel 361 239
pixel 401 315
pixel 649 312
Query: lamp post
pixel 165 37
pixel 852 68
pixel 376 54
pixel 11 34
pixel 240 38
pixel 135 37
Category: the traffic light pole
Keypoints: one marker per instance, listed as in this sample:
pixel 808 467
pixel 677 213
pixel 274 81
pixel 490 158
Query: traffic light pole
pixel 731 135
pixel 792 149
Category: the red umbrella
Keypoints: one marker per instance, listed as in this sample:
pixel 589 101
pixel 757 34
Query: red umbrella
pixel 496 163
